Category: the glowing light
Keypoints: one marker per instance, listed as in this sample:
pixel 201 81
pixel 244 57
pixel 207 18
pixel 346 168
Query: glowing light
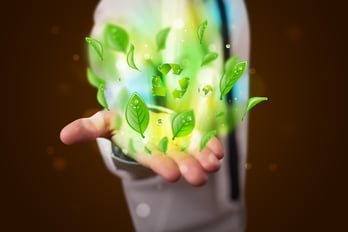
pixel 248 166
pixel 59 163
pixel 213 47
pixel 147 56
pixel 122 65
pixel 179 23
pixel 76 57
pixel 64 88
pixel 273 167
pixel 177 53
pixel 55 30
pixel 252 71
pixel 294 33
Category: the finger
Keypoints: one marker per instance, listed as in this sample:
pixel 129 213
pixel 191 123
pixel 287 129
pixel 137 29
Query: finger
pixel 88 129
pixel 216 147
pixel 213 144
pixel 208 160
pixel 189 168
pixel 160 164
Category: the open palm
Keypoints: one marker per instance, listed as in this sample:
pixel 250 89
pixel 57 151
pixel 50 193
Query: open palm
pixel 193 165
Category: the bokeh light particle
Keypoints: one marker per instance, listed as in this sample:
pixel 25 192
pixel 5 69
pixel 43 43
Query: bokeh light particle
pixel 59 163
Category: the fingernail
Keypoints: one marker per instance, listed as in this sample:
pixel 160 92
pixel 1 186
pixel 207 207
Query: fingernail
pixel 212 159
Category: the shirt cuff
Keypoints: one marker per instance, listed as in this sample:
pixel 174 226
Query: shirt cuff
pixel 121 165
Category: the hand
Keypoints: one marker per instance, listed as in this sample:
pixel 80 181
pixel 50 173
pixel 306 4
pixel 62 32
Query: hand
pixel 193 165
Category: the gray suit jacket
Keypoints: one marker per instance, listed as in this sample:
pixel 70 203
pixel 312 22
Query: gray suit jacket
pixel 156 205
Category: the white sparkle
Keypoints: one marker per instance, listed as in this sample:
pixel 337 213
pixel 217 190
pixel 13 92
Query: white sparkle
pixel 121 64
pixel 179 23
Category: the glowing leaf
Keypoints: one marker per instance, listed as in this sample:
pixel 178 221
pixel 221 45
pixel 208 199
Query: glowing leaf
pixel 220 114
pixel 117 122
pixel 252 102
pixel 183 124
pixel 178 93
pixel 231 76
pixel 161 38
pixel 165 68
pixel 205 90
pixel 157 88
pixel 201 30
pixel 101 96
pixel 184 82
pixel 230 63
pixel 211 56
pixel 137 114
pixel 121 95
pixel 130 58
pixel 93 79
pixel 206 139
pixel 176 69
pixel 156 81
pixel 183 147
pixel 163 145
pixel 116 37
pixel 147 150
pixel 98 47
pixel 159 91
pixel 131 148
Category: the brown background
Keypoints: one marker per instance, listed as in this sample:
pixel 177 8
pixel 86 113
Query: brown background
pixel 296 170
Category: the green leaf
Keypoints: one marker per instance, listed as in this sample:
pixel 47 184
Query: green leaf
pixel 231 76
pixel 184 147
pixel 121 95
pixel 116 37
pixel 176 68
pixel 117 122
pixel 98 47
pixel 201 30
pixel 157 88
pixel 161 38
pixel 206 139
pixel 131 147
pixel 183 124
pixel 252 102
pixel 137 114
pixel 159 91
pixel 220 114
pixel 230 63
pixel 178 93
pixel 101 96
pixel 163 145
pixel 93 79
pixel 165 68
pixel 147 150
pixel 205 90
pixel 156 81
pixel 130 58
pixel 209 57
pixel 184 82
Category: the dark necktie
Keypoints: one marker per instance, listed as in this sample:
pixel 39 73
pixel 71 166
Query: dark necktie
pixel 231 140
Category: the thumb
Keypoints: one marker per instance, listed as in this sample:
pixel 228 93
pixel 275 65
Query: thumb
pixel 88 129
